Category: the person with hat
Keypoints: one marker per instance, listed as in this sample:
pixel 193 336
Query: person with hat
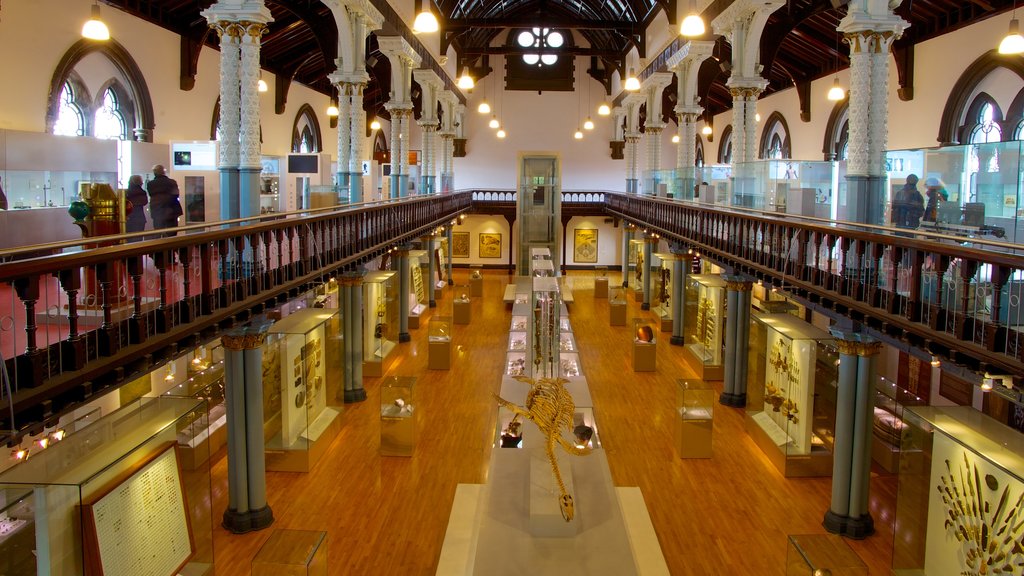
pixel 164 203
pixel 908 204
pixel 935 190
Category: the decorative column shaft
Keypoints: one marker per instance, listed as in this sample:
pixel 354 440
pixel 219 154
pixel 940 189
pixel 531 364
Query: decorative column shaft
pixel 649 243
pixel 848 513
pixel 737 339
pixel 349 331
pixel 427 131
pixel 627 235
pixel 632 159
pixel 744 122
pixel 449 256
pixel 357 127
pixel 249 165
pixel 247 477
pixel 230 111
pixel 653 137
pixel 344 130
pixel 403 293
pixel 680 270
pixel 354 339
pixel 428 245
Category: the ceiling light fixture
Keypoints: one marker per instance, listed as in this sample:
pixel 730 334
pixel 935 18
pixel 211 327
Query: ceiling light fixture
pixel 693 24
pixel 936 362
pixel 494 122
pixel 501 133
pixel 465 81
pixel 375 125
pixel 332 110
pixel 604 109
pixel 261 85
pixel 987 384
pixel 632 82
pixel 1013 43
pixel 578 135
pixel 675 138
pixel 588 124
pixel 706 130
pixel 95 28
pixel 425 21
pixel 484 107
pixel 836 92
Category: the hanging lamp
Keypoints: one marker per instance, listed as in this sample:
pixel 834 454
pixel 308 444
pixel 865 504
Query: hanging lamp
pixel 425 21
pixel 95 28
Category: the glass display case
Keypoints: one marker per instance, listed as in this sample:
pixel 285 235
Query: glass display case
pixel 419 298
pixel 715 182
pixel 662 183
pixel 888 429
pixel 696 401
pixel 661 289
pixel 397 416
pixel 380 324
pixel 519 324
pixel 792 373
pixel 292 553
pixel 203 380
pixel 517 341
pixel 538 209
pixel 959 502
pixel 644 345
pixel 600 282
pixel 616 307
pixel 462 306
pixel 44 188
pixel 634 281
pixel 270 184
pixel 72 507
pixel 303 389
pixel 821 555
pixel 789 186
pixel 569 365
pixel 704 328
pixel 439 343
pixel 544 327
pixel 476 282
pixel 540 268
pixel 515 364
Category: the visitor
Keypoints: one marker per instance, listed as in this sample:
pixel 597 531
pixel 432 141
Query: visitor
pixel 136 196
pixel 164 203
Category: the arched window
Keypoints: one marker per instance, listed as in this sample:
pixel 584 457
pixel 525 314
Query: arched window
pixel 70 118
pixel 540 39
pixel 837 132
pixel 306 131
pixel 110 120
pixel 775 148
pixel 983 121
pixel 699 156
pixel 963 115
pixel 725 146
pixel 775 138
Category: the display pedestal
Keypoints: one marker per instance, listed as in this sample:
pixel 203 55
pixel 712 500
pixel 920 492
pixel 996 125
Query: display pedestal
pixel 439 355
pixel 696 418
pixel 292 553
pixel 397 416
pixel 617 313
pixel 461 311
pixel 816 464
pixel 546 519
pixel 414 320
pixel 476 287
pixel 638 295
pixel 644 356
pixel 822 554
pixel 600 287
pixel 317 438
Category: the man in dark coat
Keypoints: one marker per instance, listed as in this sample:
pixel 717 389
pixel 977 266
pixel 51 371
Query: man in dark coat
pixel 137 196
pixel 164 204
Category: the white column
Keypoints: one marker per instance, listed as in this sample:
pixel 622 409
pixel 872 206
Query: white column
pixel 344 91
pixel 230 108
pixel 249 75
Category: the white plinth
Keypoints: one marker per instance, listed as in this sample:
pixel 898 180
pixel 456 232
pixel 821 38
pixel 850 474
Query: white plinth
pixel 546 519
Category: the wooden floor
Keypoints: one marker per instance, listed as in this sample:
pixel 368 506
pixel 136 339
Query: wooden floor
pixel 387 515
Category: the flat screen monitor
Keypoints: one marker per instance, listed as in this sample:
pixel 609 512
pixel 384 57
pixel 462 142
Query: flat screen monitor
pixel 303 164
pixel 196 156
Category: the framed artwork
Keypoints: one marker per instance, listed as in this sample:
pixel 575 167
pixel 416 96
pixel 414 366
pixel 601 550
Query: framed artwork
pixel 460 244
pixel 585 246
pixel 490 245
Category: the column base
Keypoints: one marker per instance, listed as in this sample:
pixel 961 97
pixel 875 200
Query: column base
pixel 645 306
pixel 855 528
pixel 241 522
pixel 404 337
pixel 357 395
pixel 451 282
pixel 732 399
pixel 433 304
pixel 677 341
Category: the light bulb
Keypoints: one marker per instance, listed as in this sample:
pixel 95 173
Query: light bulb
pixel 94 28
pixel 261 86
pixel 43 442
pixel 675 138
pixel 332 110
pixel 58 435
pixel 1013 43
pixel 936 362
pixel 706 130
pixel 604 109
pixel 986 385
pixel 425 22
pixel 693 25
pixel 578 135
pixel 484 107
pixel 588 124
pixel 375 125
pixel 501 133
pixel 493 123
pixel 836 92
pixel 632 83
pixel 465 81
pixel 757 116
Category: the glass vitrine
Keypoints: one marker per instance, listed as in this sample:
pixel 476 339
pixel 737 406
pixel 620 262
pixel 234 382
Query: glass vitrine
pixel 696 404
pixel 397 416
pixel 540 268
pixel 303 391
pixel 616 307
pixel 544 326
pixel 600 282
pixel 292 553
pixel 792 373
pixel 462 308
pixel 704 325
pixel 637 269
pixel 476 282
pixel 439 342
pixel 380 321
pixel 821 554
pixel 644 345
pixel 419 298
pixel 204 380
pixel 661 289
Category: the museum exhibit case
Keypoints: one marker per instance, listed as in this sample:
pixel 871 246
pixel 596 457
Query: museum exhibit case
pixel 821 555
pixel 270 184
pixel 644 345
pixel 634 280
pixel 540 268
pixel 419 298
pixel 397 416
pixel 662 183
pixel 111 498
pixel 789 186
pixel 616 307
pixel 600 282
pixel 204 380
pixel 792 374
pixel 462 306
pixel 544 324
pixel 302 388
pixel 661 289
pixel 538 209
pixel 476 282
pixel 888 429
pixel 292 553
pixel 696 404
pixel 960 501
pixel 439 343
pixel 380 321
pixel 704 328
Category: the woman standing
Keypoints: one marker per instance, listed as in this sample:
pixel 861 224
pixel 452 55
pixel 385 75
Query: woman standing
pixel 136 221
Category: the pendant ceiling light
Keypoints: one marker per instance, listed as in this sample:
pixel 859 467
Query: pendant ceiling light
pixel 484 107
pixel 693 24
pixel 501 133
pixel 836 92
pixel 1013 43
pixel 494 122
pixel 465 81
pixel 604 109
pixel 425 21
pixel 94 28
pixel 261 86
pixel 578 135
pixel 375 125
pixel 632 82
pixel 332 110
pixel 675 138
pixel 588 124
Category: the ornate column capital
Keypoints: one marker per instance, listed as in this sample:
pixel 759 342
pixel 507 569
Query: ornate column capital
pixel 737 283
pixel 248 337
pixel 856 343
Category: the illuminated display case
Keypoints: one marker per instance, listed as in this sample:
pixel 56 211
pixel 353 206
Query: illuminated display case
pixel 419 298
pixel 292 553
pixel 644 345
pixel 462 305
pixel 380 324
pixel 821 554
pixel 661 289
pixel 704 329
pixel 616 307
pixel 541 268
pixel 792 372
pixel 696 400
pixel 600 282
pixel 119 480
pixel 888 429
pixel 544 325
pixel 476 282
pixel 302 388
pixel 397 416
pixel 584 430
pixel 634 280
pixel 439 343
pixel 204 380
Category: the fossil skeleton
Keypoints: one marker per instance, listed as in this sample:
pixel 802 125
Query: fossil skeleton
pixel 549 405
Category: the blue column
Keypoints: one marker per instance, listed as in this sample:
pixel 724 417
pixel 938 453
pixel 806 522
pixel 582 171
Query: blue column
pixel 680 270
pixel 229 208
pixel 403 293
pixel 448 234
pixel 737 340
pixel 428 245
pixel 649 243
pixel 357 393
pixel 627 235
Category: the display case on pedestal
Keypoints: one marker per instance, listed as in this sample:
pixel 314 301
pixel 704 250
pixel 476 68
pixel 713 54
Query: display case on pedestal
pixel 111 498
pixel 616 307
pixel 661 289
pixel 600 282
pixel 302 388
pixel 462 306
pixel 637 269
pixel 542 268
pixel 380 322
pixel 476 281
pixel 439 343
pixel 696 401
pixel 703 329
pixel 204 380
pixel 644 346
pixel 960 503
pixel 544 325
pixel 419 298
pixel 821 555
pixel 292 553
pixel 397 416
pixel 792 372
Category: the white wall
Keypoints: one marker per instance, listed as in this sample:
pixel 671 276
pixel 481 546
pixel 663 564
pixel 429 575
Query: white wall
pixel 609 240
pixel 475 224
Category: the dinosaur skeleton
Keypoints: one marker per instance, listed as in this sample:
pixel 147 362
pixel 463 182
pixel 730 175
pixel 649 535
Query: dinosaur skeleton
pixel 549 405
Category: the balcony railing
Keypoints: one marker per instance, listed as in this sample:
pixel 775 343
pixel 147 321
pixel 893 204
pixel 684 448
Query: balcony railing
pixel 72 323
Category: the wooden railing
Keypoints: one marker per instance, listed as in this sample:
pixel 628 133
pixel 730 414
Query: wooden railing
pixel 74 323
pixel 959 298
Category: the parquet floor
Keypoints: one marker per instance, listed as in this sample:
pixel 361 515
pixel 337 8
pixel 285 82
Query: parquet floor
pixel 387 515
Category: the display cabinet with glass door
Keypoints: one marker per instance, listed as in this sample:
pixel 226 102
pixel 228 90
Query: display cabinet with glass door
pixel 204 380
pixel 538 209
pixel 792 377
pixel 397 416
pixel 704 325
pixel 637 269
pixel 419 298
pixel 303 388
pixel 380 322
pixel 544 325
pixel 661 289
pixel 270 184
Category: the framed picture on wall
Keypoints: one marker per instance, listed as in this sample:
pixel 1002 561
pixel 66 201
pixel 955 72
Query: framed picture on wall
pixel 585 246
pixel 490 245
pixel 460 244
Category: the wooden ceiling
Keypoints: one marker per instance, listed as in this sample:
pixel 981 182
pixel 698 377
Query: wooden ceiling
pixel 800 42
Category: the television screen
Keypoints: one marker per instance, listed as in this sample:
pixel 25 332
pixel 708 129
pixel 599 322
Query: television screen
pixel 194 156
pixel 183 158
pixel 303 164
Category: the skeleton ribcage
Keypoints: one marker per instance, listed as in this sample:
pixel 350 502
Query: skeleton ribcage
pixel 551 406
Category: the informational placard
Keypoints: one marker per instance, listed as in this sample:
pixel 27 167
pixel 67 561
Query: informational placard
pixel 417 284
pixel 140 525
